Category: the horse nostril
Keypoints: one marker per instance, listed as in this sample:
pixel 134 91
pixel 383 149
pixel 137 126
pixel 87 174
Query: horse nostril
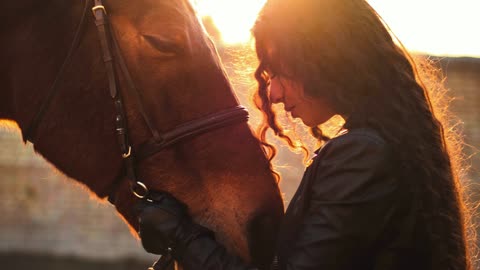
pixel 262 235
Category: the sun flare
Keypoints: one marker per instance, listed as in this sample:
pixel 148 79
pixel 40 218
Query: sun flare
pixel 233 18
pixel 437 27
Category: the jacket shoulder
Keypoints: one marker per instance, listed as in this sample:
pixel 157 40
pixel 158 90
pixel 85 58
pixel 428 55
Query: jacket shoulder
pixel 354 166
pixel 367 141
pixel 361 135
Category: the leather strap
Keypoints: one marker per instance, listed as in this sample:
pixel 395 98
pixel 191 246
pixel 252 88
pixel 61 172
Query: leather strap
pixel 183 132
pixel 101 21
pixel 132 88
pixel 104 31
pixel 193 128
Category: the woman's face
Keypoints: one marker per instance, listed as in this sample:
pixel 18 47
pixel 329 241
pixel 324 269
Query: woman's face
pixel 312 110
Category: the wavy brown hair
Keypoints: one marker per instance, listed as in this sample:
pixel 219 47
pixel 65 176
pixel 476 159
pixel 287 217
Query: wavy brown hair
pixel 342 51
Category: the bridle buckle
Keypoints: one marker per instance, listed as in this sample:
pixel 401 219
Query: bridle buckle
pixel 95 8
pixel 127 155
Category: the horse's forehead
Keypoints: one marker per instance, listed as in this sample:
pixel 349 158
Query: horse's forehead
pixel 171 19
pixel 170 10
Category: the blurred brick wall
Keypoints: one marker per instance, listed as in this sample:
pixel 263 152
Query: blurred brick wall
pixel 41 211
pixel 463 80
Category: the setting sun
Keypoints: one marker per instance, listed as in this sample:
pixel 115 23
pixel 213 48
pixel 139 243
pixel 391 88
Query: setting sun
pixel 436 27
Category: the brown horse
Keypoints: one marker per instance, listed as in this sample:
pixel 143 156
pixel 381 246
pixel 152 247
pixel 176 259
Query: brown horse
pixel 58 90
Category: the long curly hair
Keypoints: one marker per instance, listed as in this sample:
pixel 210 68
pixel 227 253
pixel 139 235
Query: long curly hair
pixel 343 51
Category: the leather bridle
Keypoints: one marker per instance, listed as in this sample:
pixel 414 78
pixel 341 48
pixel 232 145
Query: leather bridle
pixel 159 141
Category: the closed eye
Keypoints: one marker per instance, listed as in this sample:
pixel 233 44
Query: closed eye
pixel 163 45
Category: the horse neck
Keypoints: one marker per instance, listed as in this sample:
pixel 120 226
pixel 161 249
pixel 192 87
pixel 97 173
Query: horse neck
pixel 9 24
pixel 35 48
pixel 35 41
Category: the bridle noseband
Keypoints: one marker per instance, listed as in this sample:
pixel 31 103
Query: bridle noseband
pixel 159 141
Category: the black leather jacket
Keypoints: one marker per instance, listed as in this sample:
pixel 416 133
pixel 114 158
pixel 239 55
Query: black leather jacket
pixel 351 211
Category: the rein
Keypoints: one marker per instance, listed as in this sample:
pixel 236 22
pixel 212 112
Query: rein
pixel 112 57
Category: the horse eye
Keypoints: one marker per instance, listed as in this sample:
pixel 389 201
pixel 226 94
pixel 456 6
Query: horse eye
pixel 162 44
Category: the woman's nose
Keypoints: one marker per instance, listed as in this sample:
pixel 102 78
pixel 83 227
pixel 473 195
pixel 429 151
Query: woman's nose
pixel 276 91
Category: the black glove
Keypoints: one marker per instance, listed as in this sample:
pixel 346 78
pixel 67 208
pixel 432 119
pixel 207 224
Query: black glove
pixel 165 226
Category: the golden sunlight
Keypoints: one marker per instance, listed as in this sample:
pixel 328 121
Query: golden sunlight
pixel 233 18
pixel 438 27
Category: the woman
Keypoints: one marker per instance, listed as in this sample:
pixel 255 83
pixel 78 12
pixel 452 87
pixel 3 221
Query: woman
pixel 382 194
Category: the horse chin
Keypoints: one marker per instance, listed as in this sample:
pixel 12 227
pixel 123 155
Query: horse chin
pixel 255 245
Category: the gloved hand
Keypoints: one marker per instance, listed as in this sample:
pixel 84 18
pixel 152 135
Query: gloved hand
pixel 165 226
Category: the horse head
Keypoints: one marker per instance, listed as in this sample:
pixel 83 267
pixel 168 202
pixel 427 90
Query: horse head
pixel 168 73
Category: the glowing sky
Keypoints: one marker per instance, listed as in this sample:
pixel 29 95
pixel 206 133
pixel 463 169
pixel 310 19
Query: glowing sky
pixel 442 27
pixel 439 27
pixel 233 18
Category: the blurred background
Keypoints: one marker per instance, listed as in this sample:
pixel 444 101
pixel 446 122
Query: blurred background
pixel 49 222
